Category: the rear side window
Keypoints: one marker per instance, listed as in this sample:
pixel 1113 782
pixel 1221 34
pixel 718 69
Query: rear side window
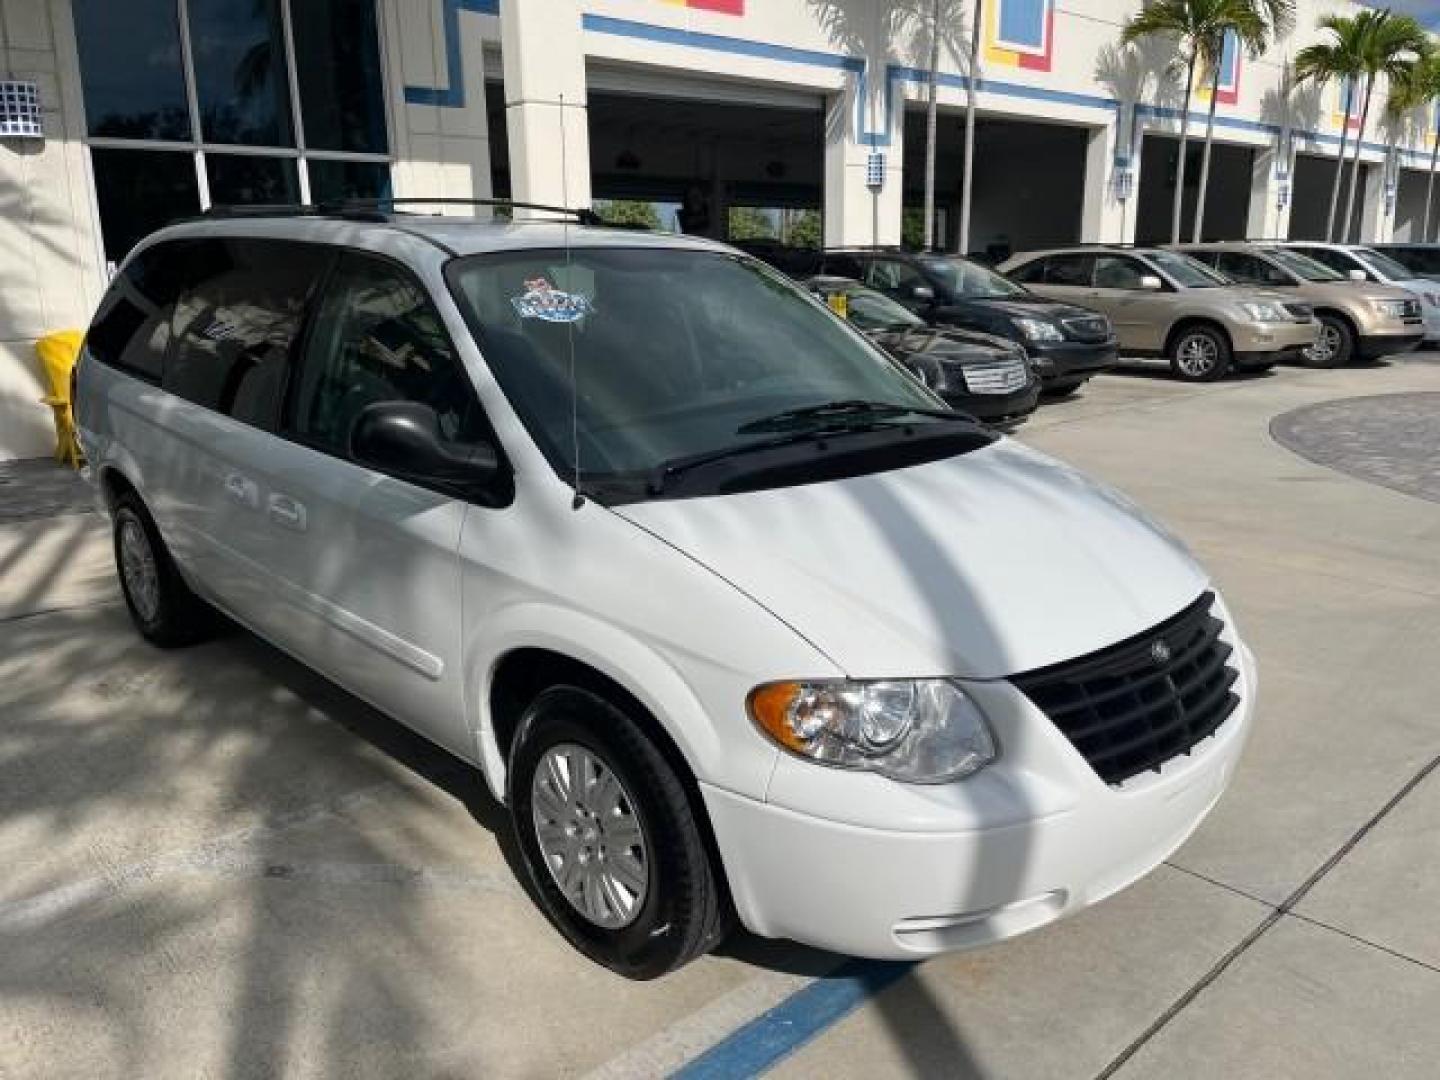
pixel 1117 272
pixel 131 330
pixel 1075 270
pixel 377 337
pixel 237 322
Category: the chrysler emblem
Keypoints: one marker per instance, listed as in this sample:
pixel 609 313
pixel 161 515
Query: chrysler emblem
pixel 1160 652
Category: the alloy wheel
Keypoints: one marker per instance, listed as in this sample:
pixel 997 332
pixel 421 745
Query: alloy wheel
pixel 1326 345
pixel 137 563
pixel 590 836
pixel 1197 355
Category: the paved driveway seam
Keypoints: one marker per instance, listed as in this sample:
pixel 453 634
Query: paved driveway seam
pixel 1179 1004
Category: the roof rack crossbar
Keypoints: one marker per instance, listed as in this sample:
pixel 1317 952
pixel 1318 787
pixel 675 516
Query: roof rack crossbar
pixel 583 215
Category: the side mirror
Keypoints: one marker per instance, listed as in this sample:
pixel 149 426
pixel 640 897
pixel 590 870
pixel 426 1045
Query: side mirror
pixel 403 438
pixel 1151 283
pixel 923 293
pixel 1358 275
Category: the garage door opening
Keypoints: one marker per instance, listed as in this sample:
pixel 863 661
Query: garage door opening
pixel 1410 199
pixel 1227 195
pixel 1310 197
pixel 727 170
pixel 1029 183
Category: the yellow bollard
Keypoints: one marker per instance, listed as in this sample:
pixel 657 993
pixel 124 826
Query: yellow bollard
pixel 58 352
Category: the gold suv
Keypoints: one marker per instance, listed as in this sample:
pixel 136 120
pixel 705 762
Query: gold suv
pixel 1163 303
pixel 1359 320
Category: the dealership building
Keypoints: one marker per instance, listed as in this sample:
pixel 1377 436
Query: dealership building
pixel 789 118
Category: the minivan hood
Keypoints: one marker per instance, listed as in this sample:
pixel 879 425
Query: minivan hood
pixel 983 565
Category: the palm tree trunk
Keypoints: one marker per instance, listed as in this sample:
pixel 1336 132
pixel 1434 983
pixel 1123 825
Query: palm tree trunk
pixel 972 92
pixel 931 118
pixel 1339 163
pixel 1430 186
pixel 1205 156
pixel 1184 141
pixel 1355 163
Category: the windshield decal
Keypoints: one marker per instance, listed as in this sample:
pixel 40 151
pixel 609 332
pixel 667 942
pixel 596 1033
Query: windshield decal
pixel 543 301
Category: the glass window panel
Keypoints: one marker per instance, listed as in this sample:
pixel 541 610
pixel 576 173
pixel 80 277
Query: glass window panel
pixel 130 67
pixel 139 191
pixel 239 179
pixel 235 326
pixel 377 337
pixel 240 77
pixel 131 330
pixel 337 63
pixel 333 181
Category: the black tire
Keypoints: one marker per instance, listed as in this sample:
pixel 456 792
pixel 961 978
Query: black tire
pixel 1342 339
pixel 683 912
pixel 1190 343
pixel 174 616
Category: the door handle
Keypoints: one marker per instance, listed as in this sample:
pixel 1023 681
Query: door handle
pixel 287 512
pixel 243 490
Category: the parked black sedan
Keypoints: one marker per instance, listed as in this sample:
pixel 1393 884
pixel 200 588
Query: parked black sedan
pixel 1067 344
pixel 988 377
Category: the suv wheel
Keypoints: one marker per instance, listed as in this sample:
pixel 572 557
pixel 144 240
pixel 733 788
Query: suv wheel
pixel 1335 345
pixel 1199 354
pixel 162 606
pixel 613 850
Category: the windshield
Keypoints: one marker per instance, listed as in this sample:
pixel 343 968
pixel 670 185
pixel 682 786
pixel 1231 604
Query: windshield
pixel 870 310
pixel 1186 272
pixel 1304 266
pixel 1384 265
pixel 961 277
pixel 676 353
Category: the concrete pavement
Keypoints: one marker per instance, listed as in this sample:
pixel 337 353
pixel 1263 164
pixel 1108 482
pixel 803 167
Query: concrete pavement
pixel 220 865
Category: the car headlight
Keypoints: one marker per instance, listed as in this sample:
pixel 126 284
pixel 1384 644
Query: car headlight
pixel 1265 311
pixel 920 731
pixel 1038 329
pixel 1393 309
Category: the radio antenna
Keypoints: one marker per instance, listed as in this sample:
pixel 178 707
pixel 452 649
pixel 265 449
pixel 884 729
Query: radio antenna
pixel 569 286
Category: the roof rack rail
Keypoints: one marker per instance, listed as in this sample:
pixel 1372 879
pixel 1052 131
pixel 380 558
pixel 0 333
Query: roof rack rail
pixel 374 209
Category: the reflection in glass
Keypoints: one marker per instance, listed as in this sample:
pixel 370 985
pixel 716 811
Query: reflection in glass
pixel 130 68
pixel 139 191
pixel 334 181
pixel 337 64
pixel 237 179
pixel 239 54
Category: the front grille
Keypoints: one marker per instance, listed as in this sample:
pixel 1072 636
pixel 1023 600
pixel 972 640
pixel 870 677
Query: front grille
pixel 997 376
pixel 1411 309
pixel 1088 327
pixel 1129 707
pixel 1300 312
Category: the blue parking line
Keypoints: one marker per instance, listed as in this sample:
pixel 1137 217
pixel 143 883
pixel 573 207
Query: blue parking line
pixel 773 1035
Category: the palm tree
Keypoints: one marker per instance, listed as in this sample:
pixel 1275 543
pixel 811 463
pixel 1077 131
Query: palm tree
pixel 1249 23
pixel 1201 26
pixel 1390 45
pixel 1422 90
pixel 1339 59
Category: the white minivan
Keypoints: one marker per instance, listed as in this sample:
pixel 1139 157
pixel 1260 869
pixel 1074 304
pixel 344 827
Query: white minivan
pixel 734 615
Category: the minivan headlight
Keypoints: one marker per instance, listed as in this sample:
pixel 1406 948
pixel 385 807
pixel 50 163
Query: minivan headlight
pixel 920 731
pixel 1266 311
pixel 1038 329
pixel 1393 309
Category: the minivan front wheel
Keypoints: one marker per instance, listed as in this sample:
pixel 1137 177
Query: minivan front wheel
pixel 1199 354
pixel 614 854
pixel 161 605
pixel 1334 344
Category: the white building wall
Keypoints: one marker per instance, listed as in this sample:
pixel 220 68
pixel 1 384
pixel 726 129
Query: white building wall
pixel 50 274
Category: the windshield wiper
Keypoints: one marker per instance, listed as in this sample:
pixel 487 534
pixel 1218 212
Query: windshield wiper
pixel 835 415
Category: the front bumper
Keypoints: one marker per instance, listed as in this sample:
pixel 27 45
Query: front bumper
pixel 1372 346
pixel 1060 361
pixel 1251 339
pixel 997 407
pixel 860 865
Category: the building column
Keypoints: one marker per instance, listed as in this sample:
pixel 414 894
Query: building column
pixel 1271 190
pixel 1375 210
pixel 857 213
pixel 1112 184
pixel 545 117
